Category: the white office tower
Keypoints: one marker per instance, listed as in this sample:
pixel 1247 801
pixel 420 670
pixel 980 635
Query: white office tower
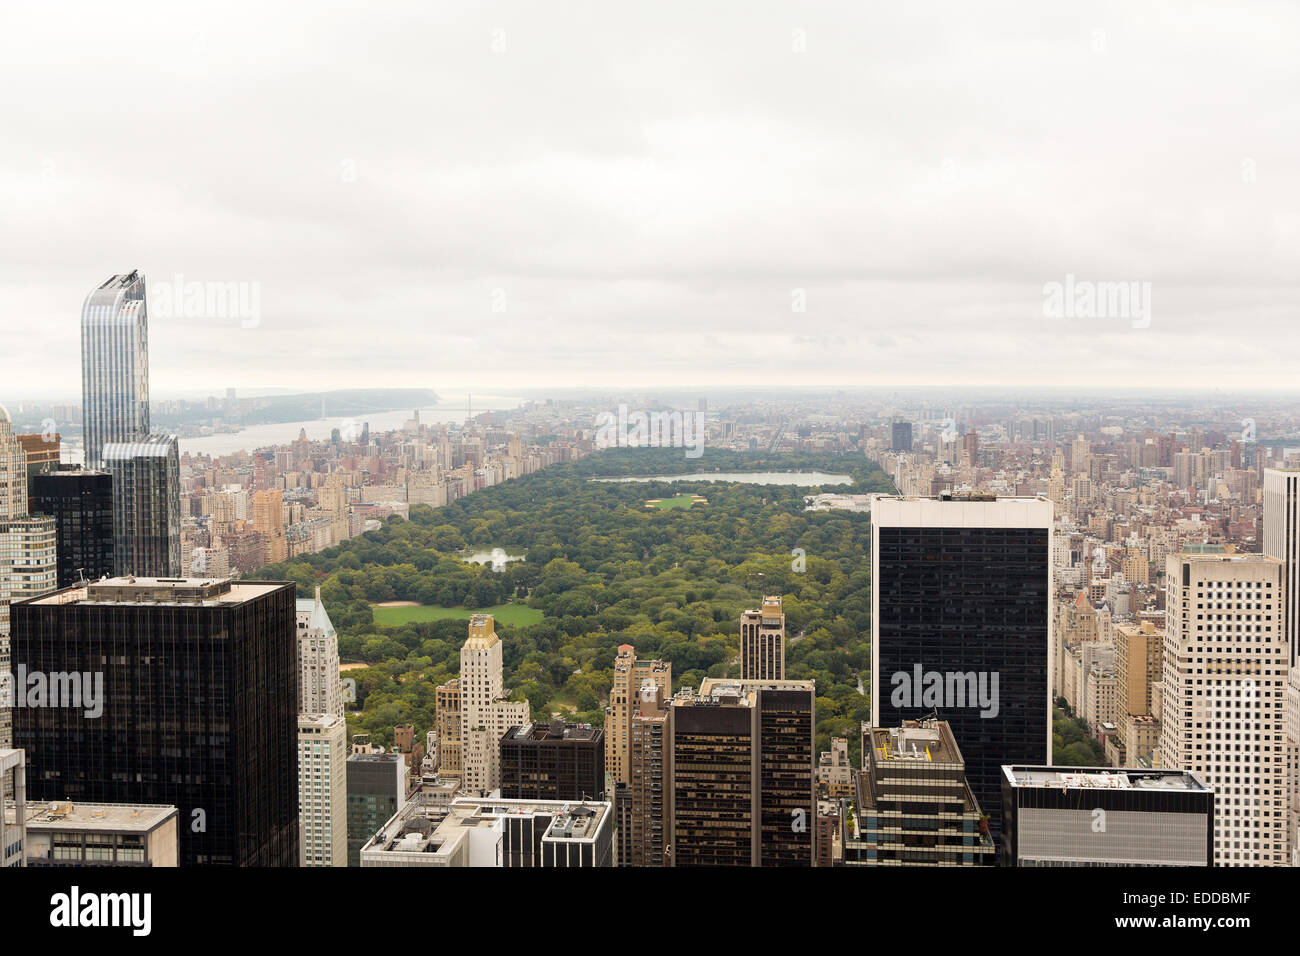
pixel 319 688
pixel 114 364
pixel 1224 681
pixel 1282 541
pixel 28 563
pixel 485 714
pixel 322 790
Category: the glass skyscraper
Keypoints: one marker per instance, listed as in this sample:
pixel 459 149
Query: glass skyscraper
pixel 114 364
pixel 146 505
pixel 961 627
pixel 199 708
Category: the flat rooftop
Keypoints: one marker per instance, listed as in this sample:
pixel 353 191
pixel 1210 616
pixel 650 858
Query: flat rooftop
pixel 114 817
pixel 555 731
pixel 723 690
pixel 140 590
pixel 925 742
pixel 1102 778
pixel 426 825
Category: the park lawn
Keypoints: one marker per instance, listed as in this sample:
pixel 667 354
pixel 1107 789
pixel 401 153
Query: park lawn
pixel 681 501
pixel 513 614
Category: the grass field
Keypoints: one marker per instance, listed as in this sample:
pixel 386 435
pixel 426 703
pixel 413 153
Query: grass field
pixel 681 501
pixel 515 614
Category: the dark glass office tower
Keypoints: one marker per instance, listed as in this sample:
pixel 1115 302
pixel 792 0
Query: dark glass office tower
pixel 146 505
pixel 376 791
pixel 741 765
pixel 198 708
pixel 555 761
pixel 961 626
pixel 81 503
pixel 901 436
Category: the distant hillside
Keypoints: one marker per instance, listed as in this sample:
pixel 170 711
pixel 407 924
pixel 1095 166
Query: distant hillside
pixel 274 409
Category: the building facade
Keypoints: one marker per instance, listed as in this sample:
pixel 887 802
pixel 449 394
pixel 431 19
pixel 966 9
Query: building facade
pixel 81 504
pixel 555 761
pixel 762 642
pixel 1097 816
pixel 1222 716
pixel 197 708
pixel 146 505
pixel 114 364
pixel 961 624
pixel 743 790
pixel 322 790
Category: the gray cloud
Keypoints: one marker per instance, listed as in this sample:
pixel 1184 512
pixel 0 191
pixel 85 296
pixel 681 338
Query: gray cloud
pixel 648 192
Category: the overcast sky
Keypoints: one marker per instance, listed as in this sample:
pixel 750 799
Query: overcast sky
pixel 546 194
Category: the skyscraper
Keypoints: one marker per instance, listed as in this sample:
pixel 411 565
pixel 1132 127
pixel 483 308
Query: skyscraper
pixel 630 674
pixel 1222 718
pixel 485 713
pixel 114 364
pixel 197 708
pixel 319 689
pixel 762 642
pixel 913 804
pixel 555 761
pixel 646 793
pixel 27 550
pixel 900 438
pixel 377 784
pixel 322 790
pixel 742 791
pixel 961 624
pixel 81 504
pixel 146 505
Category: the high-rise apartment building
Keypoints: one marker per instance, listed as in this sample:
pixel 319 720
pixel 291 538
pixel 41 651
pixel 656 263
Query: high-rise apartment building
pixel 555 761
pixel 114 364
pixel 322 790
pixel 741 755
pixel 1096 816
pixel 28 552
pixel 146 505
pixel 961 624
pixel 268 520
pixel 1222 717
pixel 650 776
pixel 913 806
pixel 81 504
pixel 1138 668
pixel 319 688
pixel 448 728
pixel 762 641
pixel 197 708
pixel 630 673
pixel 486 714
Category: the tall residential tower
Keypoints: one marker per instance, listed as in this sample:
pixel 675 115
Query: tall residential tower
pixel 114 364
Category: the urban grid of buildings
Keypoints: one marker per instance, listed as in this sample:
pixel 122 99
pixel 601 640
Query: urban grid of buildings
pixel 1142 580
